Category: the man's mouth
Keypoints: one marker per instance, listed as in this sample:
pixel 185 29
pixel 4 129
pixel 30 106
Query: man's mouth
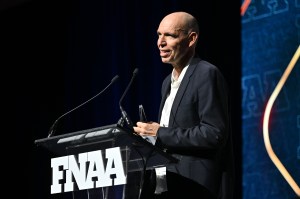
pixel 165 53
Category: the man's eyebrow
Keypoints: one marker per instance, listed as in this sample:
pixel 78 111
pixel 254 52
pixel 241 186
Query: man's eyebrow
pixel 183 30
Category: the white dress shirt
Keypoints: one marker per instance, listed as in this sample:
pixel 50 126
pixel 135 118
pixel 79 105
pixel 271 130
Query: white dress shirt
pixel 161 183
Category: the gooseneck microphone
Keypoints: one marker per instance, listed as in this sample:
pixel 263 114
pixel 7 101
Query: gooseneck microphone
pixel 54 125
pixel 124 114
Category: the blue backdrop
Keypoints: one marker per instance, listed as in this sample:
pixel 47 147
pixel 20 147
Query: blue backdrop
pixel 270 38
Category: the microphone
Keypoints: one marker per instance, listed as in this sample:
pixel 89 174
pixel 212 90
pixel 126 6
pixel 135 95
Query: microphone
pixel 54 125
pixel 124 114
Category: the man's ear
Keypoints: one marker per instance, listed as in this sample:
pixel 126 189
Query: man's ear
pixel 193 38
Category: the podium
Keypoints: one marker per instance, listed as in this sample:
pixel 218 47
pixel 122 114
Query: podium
pixel 136 156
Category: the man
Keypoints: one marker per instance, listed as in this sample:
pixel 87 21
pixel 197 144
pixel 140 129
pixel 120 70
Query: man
pixel 194 119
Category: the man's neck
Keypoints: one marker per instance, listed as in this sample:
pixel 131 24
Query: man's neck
pixel 179 67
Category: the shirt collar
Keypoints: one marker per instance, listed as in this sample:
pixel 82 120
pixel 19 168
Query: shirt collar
pixel 178 81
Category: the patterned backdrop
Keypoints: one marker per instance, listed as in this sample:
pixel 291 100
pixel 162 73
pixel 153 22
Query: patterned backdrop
pixel 270 39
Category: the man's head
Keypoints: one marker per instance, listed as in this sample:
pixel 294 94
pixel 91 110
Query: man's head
pixel 177 38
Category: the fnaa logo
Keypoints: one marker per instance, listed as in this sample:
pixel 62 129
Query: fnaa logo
pixel 87 171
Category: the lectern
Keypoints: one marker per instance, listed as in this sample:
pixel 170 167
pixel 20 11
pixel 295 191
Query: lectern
pixel 97 160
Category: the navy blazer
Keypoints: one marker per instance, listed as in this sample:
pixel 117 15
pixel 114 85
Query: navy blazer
pixel 199 134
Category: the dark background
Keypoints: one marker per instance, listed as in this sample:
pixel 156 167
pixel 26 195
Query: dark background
pixel 58 54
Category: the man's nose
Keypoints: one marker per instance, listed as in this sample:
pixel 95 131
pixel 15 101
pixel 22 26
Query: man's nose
pixel 161 43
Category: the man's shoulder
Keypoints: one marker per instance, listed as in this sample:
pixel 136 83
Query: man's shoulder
pixel 203 65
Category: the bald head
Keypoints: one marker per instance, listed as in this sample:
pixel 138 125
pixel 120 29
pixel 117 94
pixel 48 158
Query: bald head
pixel 181 21
pixel 177 38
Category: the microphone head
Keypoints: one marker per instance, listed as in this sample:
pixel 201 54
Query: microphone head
pixel 136 70
pixel 115 78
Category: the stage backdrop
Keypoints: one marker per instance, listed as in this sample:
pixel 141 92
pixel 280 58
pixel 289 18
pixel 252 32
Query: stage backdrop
pixel 270 39
pixel 61 53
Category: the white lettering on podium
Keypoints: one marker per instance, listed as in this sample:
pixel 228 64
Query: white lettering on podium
pixel 88 172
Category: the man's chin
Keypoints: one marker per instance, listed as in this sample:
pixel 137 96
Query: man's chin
pixel 165 60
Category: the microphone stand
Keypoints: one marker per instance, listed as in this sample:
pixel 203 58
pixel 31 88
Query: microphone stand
pixel 125 118
pixel 54 125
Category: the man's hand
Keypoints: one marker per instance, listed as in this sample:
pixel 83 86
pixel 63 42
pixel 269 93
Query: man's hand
pixel 146 129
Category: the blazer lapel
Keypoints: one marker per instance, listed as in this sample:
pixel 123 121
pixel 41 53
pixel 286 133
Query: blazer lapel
pixel 165 91
pixel 181 90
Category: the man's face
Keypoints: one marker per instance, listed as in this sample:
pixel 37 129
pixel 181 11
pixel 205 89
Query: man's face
pixel 173 42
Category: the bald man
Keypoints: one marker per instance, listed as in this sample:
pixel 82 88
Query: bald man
pixel 194 120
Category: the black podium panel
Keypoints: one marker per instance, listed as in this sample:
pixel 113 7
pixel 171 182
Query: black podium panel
pixel 142 154
pixel 137 156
